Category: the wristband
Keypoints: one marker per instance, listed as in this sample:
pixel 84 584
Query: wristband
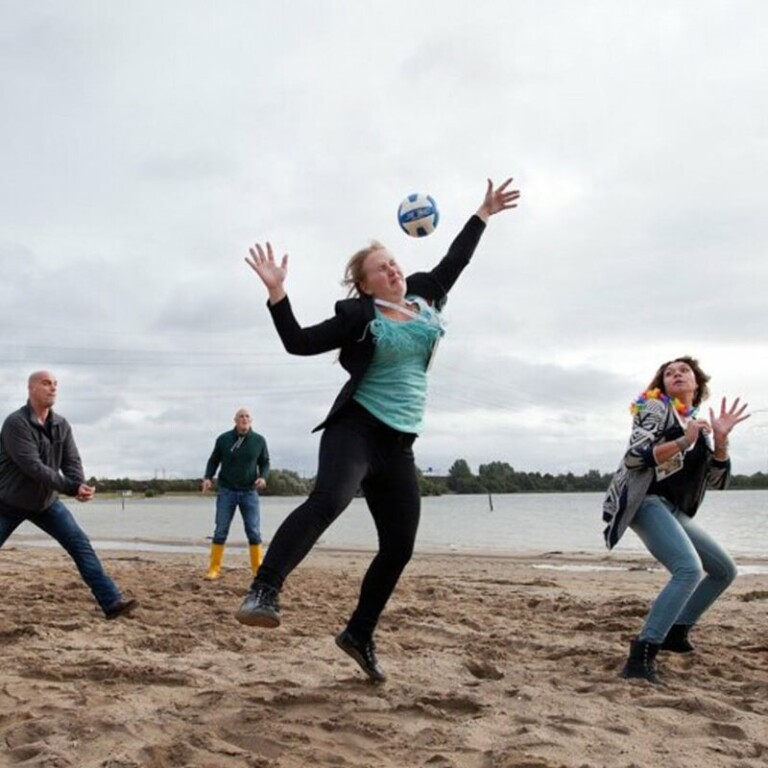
pixel 683 443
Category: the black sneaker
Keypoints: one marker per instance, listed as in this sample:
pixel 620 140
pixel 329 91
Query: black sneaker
pixel 123 607
pixel 260 608
pixel 364 653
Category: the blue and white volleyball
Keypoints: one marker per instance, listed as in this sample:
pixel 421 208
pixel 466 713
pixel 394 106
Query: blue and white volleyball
pixel 418 215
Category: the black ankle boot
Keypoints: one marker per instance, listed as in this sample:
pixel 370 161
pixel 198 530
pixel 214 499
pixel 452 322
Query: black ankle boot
pixel 677 639
pixel 364 653
pixel 642 661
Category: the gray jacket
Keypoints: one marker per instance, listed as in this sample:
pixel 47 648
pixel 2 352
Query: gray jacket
pixel 37 461
pixel 634 476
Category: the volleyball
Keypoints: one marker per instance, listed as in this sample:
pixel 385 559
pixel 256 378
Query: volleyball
pixel 418 215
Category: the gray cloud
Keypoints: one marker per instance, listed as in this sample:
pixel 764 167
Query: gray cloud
pixel 143 150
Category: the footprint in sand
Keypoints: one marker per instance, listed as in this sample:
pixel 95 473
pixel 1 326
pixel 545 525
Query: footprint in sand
pixel 727 731
pixel 484 670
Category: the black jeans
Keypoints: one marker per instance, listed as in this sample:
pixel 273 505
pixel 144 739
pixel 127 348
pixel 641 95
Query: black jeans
pixel 356 451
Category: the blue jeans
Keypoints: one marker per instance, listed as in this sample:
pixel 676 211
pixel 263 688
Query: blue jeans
pixel 227 501
pixel 701 569
pixel 57 521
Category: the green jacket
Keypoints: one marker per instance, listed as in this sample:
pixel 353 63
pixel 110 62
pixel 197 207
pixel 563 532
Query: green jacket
pixel 243 459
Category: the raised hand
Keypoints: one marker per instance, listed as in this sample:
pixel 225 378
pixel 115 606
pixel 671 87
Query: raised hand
pixel 727 420
pixel 499 199
pixel 262 262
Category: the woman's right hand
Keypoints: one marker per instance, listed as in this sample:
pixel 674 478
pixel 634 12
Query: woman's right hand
pixel 664 451
pixel 693 428
pixel 262 262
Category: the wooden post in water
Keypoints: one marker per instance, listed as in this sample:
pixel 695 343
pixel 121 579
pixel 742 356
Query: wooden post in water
pixel 490 501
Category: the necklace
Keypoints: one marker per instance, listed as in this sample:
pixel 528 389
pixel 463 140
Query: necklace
pixel 425 313
pixel 680 407
pixel 403 309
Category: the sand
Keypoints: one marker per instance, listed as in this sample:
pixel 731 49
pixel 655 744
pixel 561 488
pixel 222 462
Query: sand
pixel 492 663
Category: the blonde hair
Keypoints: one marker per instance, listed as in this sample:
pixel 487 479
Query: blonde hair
pixel 354 272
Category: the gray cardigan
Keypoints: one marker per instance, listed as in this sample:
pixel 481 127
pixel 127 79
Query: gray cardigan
pixel 37 461
pixel 634 476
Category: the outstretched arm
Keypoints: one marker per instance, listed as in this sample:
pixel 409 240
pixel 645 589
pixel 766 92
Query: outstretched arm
pixel 497 200
pixel 312 340
pixel 262 262
pixel 434 285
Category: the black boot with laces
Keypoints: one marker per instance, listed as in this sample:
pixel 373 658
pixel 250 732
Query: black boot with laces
pixel 364 653
pixel 642 661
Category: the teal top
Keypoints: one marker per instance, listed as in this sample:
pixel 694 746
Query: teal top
pixel 394 388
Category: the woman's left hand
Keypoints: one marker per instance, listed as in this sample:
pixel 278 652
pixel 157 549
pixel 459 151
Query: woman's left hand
pixel 499 199
pixel 727 420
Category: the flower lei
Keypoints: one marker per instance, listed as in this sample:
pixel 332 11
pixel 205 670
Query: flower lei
pixel 656 394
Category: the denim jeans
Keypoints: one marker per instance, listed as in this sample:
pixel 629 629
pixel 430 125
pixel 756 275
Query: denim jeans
pixel 227 501
pixel 701 569
pixel 58 522
pixel 357 451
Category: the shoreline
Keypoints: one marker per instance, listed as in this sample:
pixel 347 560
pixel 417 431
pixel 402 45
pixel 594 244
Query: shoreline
pixel 617 558
pixel 491 662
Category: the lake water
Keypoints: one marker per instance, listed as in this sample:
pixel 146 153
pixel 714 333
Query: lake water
pixel 517 524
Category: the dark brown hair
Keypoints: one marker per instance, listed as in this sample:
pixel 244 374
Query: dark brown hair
pixel 702 390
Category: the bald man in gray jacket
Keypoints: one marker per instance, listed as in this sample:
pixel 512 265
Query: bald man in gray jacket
pixel 39 460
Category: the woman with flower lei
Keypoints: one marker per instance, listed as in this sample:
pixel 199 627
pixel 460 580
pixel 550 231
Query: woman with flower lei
pixel 672 458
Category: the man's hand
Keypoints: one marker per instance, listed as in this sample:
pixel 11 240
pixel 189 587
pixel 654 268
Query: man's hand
pixel 85 492
pixel 206 485
pixel 260 484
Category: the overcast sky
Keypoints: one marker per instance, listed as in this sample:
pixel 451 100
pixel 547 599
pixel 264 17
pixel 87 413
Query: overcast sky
pixel 145 145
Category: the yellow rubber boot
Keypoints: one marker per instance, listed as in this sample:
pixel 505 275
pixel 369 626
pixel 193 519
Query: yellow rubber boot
pixel 256 552
pixel 217 555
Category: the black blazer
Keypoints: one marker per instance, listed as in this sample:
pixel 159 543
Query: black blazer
pixel 346 330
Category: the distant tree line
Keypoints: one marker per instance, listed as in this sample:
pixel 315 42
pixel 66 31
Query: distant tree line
pixel 500 477
pixel 496 477
pixel 282 482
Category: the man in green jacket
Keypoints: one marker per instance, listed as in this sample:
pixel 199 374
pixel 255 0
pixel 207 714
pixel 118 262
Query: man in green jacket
pixel 244 460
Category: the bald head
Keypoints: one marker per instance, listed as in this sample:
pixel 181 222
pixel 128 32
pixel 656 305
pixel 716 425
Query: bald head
pixel 242 420
pixel 42 387
pixel 37 375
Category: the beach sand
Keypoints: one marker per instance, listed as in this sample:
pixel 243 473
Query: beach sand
pixel 492 663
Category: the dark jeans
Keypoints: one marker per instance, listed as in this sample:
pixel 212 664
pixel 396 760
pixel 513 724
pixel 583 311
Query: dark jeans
pixel 356 451
pixel 227 501
pixel 57 521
